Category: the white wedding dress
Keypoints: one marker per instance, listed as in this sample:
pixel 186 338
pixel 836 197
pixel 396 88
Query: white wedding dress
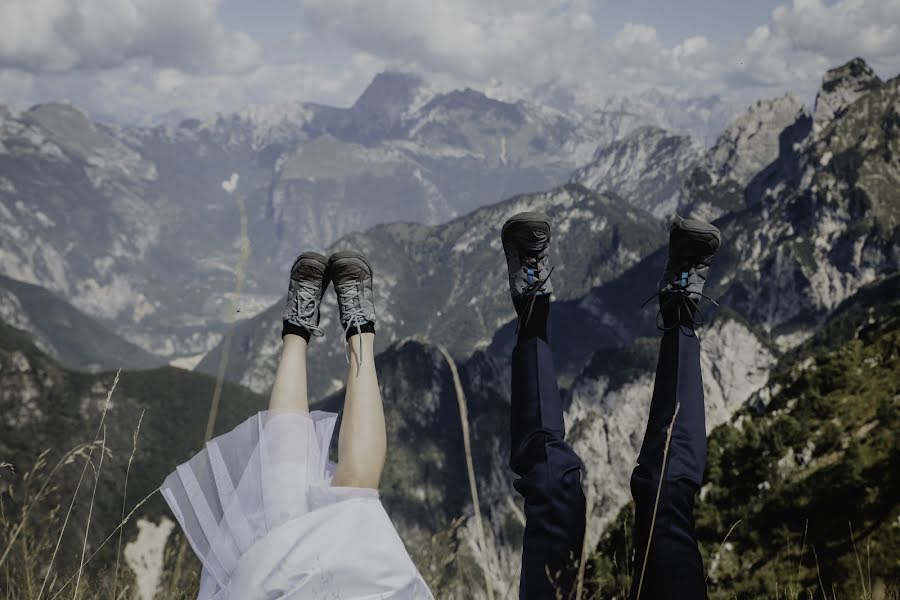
pixel 259 510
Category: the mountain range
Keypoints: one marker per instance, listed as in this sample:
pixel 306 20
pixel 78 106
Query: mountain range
pixel 150 249
pixel 806 201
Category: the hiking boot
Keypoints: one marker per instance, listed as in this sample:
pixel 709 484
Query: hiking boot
pixel 307 286
pixel 692 246
pixel 526 243
pixel 352 277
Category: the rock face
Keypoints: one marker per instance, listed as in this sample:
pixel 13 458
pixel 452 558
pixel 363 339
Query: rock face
pixel 611 400
pixel 425 487
pixel 73 338
pixel 827 225
pixel 841 87
pixel 700 117
pixel 153 248
pixel 448 284
pixel 750 143
pixel 824 222
pixel 647 168
pixel 134 255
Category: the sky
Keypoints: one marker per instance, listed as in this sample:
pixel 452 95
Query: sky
pixel 137 61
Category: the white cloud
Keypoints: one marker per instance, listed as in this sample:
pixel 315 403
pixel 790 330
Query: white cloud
pixel 793 50
pixel 807 37
pixel 850 27
pixel 514 44
pixel 133 58
pixel 62 35
pixel 635 35
pixel 470 39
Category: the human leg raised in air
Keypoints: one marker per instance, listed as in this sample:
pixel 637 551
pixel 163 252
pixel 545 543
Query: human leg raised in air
pixel 362 441
pixel 549 470
pixel 674 568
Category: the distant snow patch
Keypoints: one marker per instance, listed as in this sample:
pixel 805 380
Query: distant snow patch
pixel 188 363
pixel 229 185
pixel 144 555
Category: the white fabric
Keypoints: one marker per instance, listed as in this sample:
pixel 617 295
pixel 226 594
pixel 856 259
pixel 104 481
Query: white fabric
pixel 258 508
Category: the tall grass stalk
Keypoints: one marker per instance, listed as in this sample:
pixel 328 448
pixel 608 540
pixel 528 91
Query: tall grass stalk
pixel 239 270
pixel 819 573
pixel 134 439
pixel 235 307
pixel 719 551
pixel 5 465
pixel 87 527
pixel 470 467
pixel 579 587
pixel 80 479
pixel 41 460
pixel 796 585
pixel 862 579
pixel 656 503
pixel 869 565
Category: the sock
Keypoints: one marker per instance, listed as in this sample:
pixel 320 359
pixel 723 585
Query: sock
pixel 367 327
pixel 536 326
pixel 288 327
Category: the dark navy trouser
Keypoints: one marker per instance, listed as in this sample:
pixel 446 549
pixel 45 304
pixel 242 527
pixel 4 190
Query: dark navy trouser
pixel 550 476
pixel 674 567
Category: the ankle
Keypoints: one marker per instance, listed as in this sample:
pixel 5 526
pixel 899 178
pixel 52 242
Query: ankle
pixel 368 327
pixel 360 347
pixel 533 324
pixel 288 328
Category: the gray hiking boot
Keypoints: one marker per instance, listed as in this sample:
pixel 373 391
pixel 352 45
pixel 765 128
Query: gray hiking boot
pixel 526 243
pixel 307 286
pixel 352 277
pixel 692 246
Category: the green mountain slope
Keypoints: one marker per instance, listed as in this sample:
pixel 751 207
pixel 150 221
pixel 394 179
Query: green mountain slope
pixel 47 408
pixel 815 455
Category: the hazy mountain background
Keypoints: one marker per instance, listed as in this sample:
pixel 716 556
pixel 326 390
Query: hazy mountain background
pixel 119 247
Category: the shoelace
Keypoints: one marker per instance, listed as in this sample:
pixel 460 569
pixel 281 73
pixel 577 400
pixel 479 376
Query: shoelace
pixel 531 292
pixel 356 316
pixel 679 293
pixel 304 309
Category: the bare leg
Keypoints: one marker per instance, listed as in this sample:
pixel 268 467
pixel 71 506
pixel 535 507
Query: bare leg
pixel 362 442
pixel 289 389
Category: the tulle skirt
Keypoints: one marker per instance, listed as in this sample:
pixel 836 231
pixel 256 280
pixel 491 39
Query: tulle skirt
pixel 259 510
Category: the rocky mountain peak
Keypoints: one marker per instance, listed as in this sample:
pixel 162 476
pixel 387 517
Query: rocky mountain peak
pixel 390 93
pixel 59 118
pixel 66 127
pixel 763 113
pixel 749 144
pixel 475 101
pixel 646 167
pixel 841 87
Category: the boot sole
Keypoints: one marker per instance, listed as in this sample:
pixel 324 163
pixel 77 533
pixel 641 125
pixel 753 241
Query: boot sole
pixel 698 233
pixel 526 217
pixel 319 258
pixel 354 257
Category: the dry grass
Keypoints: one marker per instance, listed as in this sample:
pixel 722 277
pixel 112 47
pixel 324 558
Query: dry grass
pixel 137 431
pixel 229 186
pixel 473 487
pixel 29 516
pixel 656 503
